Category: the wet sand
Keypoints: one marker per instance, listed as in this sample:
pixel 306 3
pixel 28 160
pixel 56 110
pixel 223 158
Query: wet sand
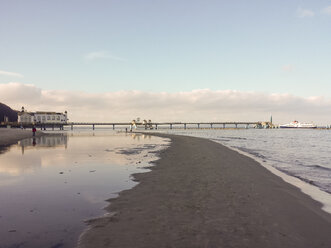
pixel 9 136
pixel 202 194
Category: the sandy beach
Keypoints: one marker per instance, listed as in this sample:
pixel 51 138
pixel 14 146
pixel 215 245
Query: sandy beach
pixel 9 136
pixel 202 194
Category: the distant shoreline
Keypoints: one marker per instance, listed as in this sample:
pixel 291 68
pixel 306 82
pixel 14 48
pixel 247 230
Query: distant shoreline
pixel 202 194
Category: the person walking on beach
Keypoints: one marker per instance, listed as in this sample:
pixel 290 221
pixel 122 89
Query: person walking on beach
pixel 34 131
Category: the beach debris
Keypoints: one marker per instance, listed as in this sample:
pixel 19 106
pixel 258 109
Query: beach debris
pixel 61 172
pixel 78 193
pixel 90 155
pixel 12 230
pixel 92 171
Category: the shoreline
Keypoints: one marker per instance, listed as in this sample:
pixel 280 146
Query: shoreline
pixel 307 187
pixel 310 190
pixel 203 194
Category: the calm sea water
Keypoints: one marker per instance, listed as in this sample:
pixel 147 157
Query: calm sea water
pixel 301 153
pixel 50 185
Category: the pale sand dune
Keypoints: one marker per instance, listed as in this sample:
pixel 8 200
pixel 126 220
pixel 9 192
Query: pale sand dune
pixel 10 136
pixel 202 194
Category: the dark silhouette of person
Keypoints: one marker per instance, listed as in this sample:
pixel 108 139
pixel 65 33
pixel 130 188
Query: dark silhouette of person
pixel 34 130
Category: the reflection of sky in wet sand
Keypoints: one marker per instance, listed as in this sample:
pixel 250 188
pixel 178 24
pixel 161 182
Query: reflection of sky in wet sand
pixel 48 186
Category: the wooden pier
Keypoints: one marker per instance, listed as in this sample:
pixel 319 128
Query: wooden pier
pixel 148 125
pixel 170 125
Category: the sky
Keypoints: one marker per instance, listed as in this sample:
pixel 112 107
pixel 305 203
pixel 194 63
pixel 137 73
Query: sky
pixel 183 60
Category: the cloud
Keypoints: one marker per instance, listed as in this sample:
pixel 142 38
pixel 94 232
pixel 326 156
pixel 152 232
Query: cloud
pixel 288 68
pixel 101 55
pixel 327 10
pixel 195 105
pixel 302 13
pixel 11 74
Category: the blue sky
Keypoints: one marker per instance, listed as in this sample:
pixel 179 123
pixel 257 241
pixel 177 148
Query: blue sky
pixel 98 46
pixel 168 60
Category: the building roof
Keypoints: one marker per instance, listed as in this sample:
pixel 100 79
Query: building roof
pixel 48 113
pixel 22 113
pixel 39 112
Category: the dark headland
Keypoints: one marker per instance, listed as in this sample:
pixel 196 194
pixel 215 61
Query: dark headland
pixel 202 194
pixel 7 112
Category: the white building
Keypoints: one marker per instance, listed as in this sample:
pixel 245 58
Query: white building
pixel 41 117
pixel 24 118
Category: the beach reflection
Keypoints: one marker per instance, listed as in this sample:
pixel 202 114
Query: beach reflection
pixel 141 136
pixel 50 184
pixel 46 141
pixel 14 165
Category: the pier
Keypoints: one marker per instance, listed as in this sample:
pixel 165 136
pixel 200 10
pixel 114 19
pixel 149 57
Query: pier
pixel 147 125
pixel 171 125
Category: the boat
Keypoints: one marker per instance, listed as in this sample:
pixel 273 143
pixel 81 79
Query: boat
pixel 296 124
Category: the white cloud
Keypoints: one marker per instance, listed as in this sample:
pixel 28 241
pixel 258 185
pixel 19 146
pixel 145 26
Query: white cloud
pixel 196 105
pixel 327 10
pixel 288 68
pixel 305 13
pixel 101 55
pixel 11 74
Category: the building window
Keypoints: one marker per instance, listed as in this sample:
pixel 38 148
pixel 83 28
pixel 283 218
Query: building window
pixel 53 117
pixel 38 118
pixel 48 117
pixel 58 118
pixel 44 118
